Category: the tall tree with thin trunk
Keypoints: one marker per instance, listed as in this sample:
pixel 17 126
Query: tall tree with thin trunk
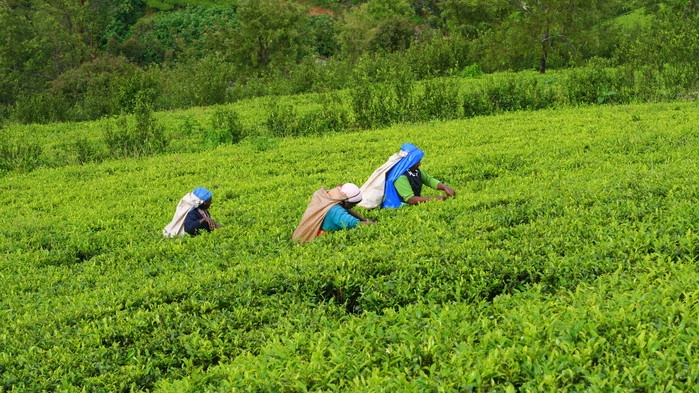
pixel 547 27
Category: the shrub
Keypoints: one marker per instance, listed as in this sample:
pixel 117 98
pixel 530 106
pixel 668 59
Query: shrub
pixel 440 100
pixel 437 56
pixel 39 108
pixel 86 151
pixel 197 83
pixel 505 95
pixel 392 35
pixel 127 88
pixel 679 81
pixel 383 97
pixel 330 118
pixel 475 103
pixel 472 71
pixel 94 89
pixel 514 92
pixel 21 156
pixel 144 138
pixel 225 123
pixel 282 120
pixel 587 85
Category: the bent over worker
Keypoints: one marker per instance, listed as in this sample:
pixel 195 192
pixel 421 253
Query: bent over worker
pixel 198 218
pixel 330 210
pixel 192 214
pixel 399 181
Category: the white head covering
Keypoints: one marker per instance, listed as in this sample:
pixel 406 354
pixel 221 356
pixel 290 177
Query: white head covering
pixel 354 194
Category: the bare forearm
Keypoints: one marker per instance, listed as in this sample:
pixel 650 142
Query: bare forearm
pixel 361 219
pixel 446 189
pixel 356 215
pixel 419 199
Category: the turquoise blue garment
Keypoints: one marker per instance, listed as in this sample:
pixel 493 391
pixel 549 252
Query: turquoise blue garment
pixel 338 218
pixel 391 197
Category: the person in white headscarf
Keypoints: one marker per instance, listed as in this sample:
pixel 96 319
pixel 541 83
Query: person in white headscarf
pixel 330 210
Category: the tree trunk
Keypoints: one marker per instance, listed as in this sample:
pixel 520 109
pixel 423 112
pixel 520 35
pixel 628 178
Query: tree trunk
pixel 542 64
pixel 544 41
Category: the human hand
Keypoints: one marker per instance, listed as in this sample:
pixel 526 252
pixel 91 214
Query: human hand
pixel 448 190
pixel 210 222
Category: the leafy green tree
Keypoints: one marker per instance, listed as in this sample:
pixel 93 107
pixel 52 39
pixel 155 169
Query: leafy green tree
pixel 394 34
pixel 426 8
pixel 537 30
pixel 93 22
pixel 268 36
pixel 124 14
pixel 469 18
pixel 322 29
pixel 355 32
pixel 672 37
pixel 379 25
pixel 35 47
pixel 176 36
pixel 386 9
pixel 42 39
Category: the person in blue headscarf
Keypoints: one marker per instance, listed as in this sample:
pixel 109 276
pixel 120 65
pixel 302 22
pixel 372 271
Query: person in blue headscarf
pixel 404 180
pixel 198 218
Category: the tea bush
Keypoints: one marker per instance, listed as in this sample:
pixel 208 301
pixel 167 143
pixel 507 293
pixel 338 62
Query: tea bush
pixel 19 155
pixel 567 261
pixel 378 97
pixel 143 138
pixel 226 126
pixel 284 120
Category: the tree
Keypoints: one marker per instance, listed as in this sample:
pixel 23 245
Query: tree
pixel 268 35
pixel 671 38
pixel 34 47
pixel 545 27
pixel 469 18
pixel 42 39
pixel 379 25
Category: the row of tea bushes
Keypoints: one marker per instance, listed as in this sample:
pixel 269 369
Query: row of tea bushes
pixel 550 205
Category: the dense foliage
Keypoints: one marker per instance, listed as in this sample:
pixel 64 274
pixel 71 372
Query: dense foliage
pixel 567 261
pixel 379 97
pixel 77 60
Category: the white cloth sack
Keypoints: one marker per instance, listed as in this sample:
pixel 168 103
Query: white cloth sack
pixel 373 188
pixel 176 226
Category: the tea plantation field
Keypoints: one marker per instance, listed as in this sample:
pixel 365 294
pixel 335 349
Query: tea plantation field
pixel 568 261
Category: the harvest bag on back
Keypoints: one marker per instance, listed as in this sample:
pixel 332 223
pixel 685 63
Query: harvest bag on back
pixel 176 226
pixel 373 188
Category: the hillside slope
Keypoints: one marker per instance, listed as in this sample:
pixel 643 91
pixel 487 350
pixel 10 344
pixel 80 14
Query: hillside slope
pixel 566 261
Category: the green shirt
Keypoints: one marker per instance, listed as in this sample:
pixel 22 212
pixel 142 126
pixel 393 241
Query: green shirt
pixel 403 188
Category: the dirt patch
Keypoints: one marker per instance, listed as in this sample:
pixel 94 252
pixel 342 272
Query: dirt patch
pixel 318 11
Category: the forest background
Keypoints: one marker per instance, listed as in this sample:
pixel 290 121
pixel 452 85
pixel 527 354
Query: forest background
pixel 75 60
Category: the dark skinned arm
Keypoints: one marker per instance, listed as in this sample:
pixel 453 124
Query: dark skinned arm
pixel 446 189
pixel 441 186
pixel 359 217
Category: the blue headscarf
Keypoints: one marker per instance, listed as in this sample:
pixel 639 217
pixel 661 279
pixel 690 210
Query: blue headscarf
pixel 391 197
pixel 202 193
